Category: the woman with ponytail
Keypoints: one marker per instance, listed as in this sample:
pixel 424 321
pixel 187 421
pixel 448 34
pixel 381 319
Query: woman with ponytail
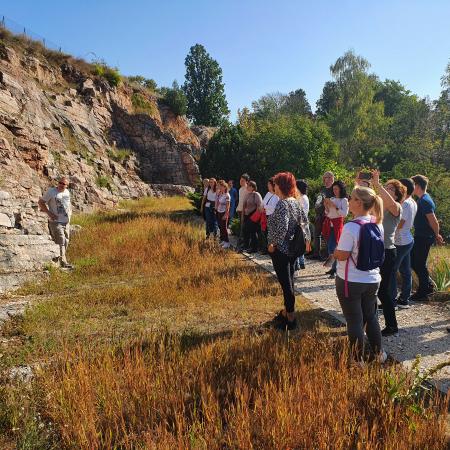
pixel 357 288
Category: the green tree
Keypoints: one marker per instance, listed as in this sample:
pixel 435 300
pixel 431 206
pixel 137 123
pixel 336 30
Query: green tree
pixel 441 121
pixel 296 103
pixel 264 147
pixel 356 121
pixel 328 100
pixel 204 89
pixel 271 106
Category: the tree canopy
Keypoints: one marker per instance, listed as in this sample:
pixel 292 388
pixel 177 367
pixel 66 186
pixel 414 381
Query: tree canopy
pixel 204 89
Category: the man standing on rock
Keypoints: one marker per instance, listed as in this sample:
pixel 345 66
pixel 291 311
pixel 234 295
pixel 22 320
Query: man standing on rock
pixel 56 204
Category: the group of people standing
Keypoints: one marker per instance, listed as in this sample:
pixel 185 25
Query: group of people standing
pixel 365 253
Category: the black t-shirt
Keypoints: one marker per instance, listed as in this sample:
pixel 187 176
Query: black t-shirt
pixel 324 193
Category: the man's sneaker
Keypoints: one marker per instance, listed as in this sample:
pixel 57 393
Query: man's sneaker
pixel 66 265
pixel 389 331
pixel 403 304
pixel 302 267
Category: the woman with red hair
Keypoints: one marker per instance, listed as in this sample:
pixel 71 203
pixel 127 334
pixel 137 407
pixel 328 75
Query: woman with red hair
pixel 281 229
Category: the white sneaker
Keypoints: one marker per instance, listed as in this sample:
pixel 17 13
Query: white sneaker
pixel 382 357
pixel 226 245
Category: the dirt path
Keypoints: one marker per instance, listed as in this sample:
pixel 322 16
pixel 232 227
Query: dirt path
pixel 422 328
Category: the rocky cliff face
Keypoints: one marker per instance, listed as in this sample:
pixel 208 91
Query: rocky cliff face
pixel 57 120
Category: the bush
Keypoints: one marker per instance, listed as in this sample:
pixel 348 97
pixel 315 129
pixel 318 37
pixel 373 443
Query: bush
pixel 118 154
pixel 235 226
pixel 111 75
pixel 176 99
pixel 195 199
pixel 142 105
pixel 104 182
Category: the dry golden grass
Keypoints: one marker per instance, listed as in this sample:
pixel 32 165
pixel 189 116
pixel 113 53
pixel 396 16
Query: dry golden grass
pixel 155 341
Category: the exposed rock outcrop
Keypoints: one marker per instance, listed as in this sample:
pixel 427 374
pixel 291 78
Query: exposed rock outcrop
pixel 58 120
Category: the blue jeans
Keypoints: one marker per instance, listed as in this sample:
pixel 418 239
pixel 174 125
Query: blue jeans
pixel 211 221
pixel 331 246
pixel 403 264
pixel 300 261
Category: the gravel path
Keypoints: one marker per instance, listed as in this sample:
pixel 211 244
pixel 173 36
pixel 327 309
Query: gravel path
pixel 422 327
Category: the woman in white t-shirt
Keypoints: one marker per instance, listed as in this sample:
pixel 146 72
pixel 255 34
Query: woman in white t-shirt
pixel 208 207
pixel 360 304
pixel 223 200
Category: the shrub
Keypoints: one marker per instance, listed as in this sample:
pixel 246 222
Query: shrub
pixel 104 182
pixel 110 74
pixel 118 154
pixel 195 198
pixel 235 226
pixel 142 105
pixel 176 100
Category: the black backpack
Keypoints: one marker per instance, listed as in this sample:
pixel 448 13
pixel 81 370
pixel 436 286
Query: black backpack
pixel 297 243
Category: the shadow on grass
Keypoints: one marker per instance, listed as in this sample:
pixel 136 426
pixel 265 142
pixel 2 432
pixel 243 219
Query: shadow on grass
pixel 129 216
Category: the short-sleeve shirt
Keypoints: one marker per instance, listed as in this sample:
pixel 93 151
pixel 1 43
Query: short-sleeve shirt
pixel 403 236
pixel 58 203
pixel 210 197
pixel 425 205
pixel 222 200
pixel 270 200
pixel 349 243
pixel 390 224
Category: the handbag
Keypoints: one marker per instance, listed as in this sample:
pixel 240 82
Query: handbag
pixel 256 216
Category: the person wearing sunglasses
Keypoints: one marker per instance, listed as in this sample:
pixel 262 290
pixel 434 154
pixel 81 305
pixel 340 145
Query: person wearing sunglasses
pixel 56 204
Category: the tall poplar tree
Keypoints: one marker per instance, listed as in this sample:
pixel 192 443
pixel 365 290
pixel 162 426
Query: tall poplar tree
pixel 204 88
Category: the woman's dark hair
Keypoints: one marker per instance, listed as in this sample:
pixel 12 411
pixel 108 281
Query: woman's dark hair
pixel 245 176
pixel 270 180
pixel 286 182
pixel 302 186
pixel 215 184
pixel 342 188
pixel 252 184
pixel 409 185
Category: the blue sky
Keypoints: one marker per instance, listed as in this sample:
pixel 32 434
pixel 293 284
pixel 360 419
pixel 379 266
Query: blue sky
pixel 262 46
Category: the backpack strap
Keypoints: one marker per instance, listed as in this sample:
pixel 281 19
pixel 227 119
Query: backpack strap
pixel 360 223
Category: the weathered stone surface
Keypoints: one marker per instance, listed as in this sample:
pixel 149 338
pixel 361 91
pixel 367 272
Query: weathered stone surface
pixel 48 128
pixel 58 121
pixel 5 221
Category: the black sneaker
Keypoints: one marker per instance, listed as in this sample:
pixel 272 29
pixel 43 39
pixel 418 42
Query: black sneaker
pixel 302 266
pixel 329 272
pixel 287 325
pixel 420 297
pixel 403 304
pixel 389 331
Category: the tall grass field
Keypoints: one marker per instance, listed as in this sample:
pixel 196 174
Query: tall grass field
pixel 157 340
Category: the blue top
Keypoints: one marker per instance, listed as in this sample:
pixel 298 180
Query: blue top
pixel 233 195
pixel 425 205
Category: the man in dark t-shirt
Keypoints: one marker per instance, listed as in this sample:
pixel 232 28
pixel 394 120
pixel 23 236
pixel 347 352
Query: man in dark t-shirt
pixel 426 232
pixel 325 192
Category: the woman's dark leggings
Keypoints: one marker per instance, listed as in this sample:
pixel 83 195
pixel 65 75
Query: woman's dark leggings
pixel 222 226
pixel 284 268
pixel 250 233
pixel 385 293
pixel 360 310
